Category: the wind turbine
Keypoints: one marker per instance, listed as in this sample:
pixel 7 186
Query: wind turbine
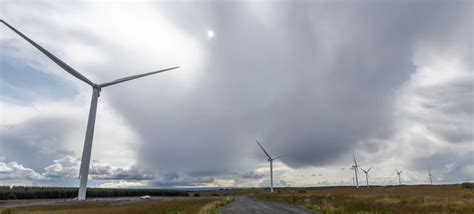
pixel 366 175
pixel 398 173
pixel 429 174
pixel 270 159
pixel 96 88
pixel 356 171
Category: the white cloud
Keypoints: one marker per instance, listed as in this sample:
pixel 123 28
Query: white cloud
pixel 69 167
pixel 121 184
pixel 15 171
pixel 64 167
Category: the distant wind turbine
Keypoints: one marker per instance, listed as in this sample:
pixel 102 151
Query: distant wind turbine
pixel 366 175
pixel 96 88
pixel 398 173
pixel 270 159
pixel 356 170
pixel 429 174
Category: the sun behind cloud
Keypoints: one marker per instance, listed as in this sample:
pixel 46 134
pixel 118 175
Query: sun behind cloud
pixel 210 34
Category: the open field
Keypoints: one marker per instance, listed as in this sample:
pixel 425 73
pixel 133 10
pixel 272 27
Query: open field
pixel 34 192
pixel 160 205
pixel 396 199
pixel 377 199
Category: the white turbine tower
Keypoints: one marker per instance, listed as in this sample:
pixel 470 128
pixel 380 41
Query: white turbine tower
pixel 398 174
pixel 366 175
pixel 96 88
pixel 270 159
pixel 430 175
pixel 356 170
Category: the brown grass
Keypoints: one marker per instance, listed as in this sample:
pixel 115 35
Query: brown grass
pixel 183 206
pixel 399 199
pixel 215 206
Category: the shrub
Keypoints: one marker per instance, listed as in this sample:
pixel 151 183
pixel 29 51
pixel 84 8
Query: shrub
pixel 467 185
pixel 301 191
pixel 11 196
pixel 196 194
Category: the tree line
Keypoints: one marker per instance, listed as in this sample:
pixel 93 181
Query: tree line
pixel 28 192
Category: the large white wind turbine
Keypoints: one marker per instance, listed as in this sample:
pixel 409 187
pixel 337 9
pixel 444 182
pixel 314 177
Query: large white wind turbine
pixel 398 174
pixel 270 159
pixel 430 175
pixel 356 170
pixel 96 88
pixel 366 175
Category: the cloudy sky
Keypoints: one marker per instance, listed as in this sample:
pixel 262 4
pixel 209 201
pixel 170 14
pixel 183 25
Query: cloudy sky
pixel 390 80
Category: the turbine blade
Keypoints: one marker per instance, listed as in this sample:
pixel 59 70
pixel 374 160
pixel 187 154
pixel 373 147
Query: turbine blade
pixel 281 156
pixel 56 60
pixel 264 150
pixel 134 77
pixel 355 162
pixel 369 169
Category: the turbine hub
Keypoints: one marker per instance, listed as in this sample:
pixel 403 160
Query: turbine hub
pixel 98 88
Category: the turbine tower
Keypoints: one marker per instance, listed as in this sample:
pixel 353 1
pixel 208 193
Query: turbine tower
pixel 96 89
pixel 430 175
pixel 356 170
pixel 398 173
pixel 366 175
pixel 270 159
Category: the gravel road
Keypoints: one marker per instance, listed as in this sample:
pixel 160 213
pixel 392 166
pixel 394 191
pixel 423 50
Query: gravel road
pixel 244 204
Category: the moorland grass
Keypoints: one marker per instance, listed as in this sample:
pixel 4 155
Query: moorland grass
pixel 396 199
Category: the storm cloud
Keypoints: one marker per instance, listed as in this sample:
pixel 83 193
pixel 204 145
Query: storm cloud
pixel 302 80
pixel 312 79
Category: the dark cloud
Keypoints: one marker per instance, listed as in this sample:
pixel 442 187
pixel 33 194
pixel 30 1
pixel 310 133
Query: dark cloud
pixel 37 141
pixel 311 79
pixel 132 173
pixel 175 179
pixel 452 107
pixel 252 175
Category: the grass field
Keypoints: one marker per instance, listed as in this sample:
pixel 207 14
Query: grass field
pixel 396 199
pixel 183 206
